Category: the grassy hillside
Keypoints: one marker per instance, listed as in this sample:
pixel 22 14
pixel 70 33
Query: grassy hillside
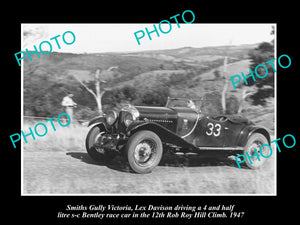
pixel 183 72
pixel 132 64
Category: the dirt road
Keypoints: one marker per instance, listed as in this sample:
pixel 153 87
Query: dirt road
pixel 74 172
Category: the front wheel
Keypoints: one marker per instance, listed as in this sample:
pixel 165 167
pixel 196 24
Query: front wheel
pixel 144 151
pixel 93 145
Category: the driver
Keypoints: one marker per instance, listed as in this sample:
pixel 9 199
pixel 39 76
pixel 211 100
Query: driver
pixel 191 104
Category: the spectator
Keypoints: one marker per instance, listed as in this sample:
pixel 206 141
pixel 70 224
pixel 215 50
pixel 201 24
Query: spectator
pixel 69 104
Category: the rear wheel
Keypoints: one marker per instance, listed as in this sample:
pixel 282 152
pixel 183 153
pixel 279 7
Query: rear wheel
pixel 144 151
pixel 255 141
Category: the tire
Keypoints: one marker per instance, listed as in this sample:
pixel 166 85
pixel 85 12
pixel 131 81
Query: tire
pixel 96 152
pixel 144 151
pixel 255 141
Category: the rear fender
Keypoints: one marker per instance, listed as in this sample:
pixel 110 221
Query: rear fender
pixel 164 134
pixel 248 131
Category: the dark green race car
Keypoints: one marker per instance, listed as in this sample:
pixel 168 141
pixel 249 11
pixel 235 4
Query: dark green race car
pixel 142 134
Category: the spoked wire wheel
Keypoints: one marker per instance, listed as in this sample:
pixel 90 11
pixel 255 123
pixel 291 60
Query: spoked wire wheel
pixel 256 144
pixel 144 151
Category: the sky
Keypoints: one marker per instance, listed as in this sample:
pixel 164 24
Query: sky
pixel 99 38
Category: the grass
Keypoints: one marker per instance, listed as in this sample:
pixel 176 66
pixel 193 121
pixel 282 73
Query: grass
pixel 75 178
pixel 63 139
pixel 58 164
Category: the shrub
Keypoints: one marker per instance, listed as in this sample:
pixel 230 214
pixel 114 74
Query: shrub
pixel 155 97
pixel 232 105
pixel 211 103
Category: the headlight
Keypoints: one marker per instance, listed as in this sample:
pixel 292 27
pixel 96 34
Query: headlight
pixel 111 117
pixel 130 114
pixel 128 119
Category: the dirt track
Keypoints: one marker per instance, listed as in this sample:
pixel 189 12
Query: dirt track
pixel 74 172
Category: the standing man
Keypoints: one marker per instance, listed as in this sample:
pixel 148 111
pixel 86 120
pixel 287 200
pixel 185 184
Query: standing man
pixel 68 104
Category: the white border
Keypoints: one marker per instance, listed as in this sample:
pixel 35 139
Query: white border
pixel 275 105
pixel 22 116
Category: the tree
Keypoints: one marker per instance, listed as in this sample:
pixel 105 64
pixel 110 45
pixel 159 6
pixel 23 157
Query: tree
pixel 232 105
pixel 114 98
pixel 265 87
pixel 155 97
pixel 211 103
pixel 225 86
pixel 217 74
pixel 98 95
pixel 245 94
pixel 44 90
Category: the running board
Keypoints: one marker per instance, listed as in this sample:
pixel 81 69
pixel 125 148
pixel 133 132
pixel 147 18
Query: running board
pixel 222 148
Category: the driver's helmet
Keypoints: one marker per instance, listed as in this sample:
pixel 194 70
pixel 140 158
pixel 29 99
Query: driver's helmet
pixel 191 104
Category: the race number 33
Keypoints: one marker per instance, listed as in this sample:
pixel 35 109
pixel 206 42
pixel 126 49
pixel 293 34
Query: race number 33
pixel 213 129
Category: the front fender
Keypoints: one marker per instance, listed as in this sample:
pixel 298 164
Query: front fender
pixel 164 134
pixel 97 120
pixel 248 131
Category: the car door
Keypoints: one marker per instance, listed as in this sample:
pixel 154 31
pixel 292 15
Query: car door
pixel 233 130
pixel 210 132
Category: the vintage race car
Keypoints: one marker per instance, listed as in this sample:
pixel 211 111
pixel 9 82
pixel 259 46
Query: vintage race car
pixel 143 134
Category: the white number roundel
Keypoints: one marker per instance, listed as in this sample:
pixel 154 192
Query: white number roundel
pixel 213 129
